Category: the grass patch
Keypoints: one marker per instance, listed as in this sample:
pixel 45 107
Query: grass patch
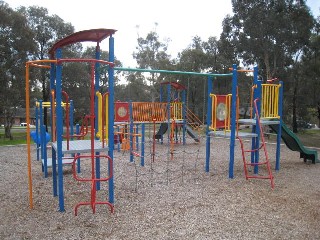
pixel 308 137
pixel 18 138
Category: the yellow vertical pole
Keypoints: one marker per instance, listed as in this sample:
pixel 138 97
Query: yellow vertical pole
pixel 107 117
pixel 99 133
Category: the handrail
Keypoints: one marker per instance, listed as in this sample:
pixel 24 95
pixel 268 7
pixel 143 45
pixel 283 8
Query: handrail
pixel 192 119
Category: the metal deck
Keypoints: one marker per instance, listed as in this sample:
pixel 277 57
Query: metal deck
pixel 80 146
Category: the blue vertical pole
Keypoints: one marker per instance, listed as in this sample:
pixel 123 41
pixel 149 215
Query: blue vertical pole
pixel 45 160
pixel 53 152
pixel 78 161
pixel 71 110
pixel 37 132
pixel 161 93
pixel 255 95
pixel 131 133
pixel 111 114
pixel 184 116
pixel 59 123
pixel 257 143
pixel 142 144
pixel 40 128
pixel 96 88
pixel 168 112
pixel 137 137
pixel 118 137
pixel 254 127
pixel 279 127
pixel 233 118
pixel 209 115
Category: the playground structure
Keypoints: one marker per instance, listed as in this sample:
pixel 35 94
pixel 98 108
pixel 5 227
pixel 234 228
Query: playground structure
pixel 93 147
pixel 74 147
pixel 223 114
pixel 41 138
pixel 113 123
pixel 266 110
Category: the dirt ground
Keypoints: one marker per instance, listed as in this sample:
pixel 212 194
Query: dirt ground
pixel 170 198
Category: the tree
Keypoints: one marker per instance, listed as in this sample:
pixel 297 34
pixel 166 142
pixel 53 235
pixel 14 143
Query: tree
pixel 47 30
pixel 268 33
pixel 16 46
pixel 151 54
pixel 195 59
pixel 271 34
pixel 310 64
pixel 77 76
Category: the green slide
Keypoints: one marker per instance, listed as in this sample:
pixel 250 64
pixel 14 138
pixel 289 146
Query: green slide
pixel 294 144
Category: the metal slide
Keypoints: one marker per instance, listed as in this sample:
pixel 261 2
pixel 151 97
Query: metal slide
pixel 162 130
pixel 192 133
pixel 293 143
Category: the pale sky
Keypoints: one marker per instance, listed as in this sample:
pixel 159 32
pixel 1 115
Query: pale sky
pixel 177 20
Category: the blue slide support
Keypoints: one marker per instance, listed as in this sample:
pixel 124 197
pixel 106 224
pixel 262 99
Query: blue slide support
pixel 277 167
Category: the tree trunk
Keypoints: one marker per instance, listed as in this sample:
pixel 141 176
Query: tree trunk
pixel 7 132
pixel 267 65
pixel 318 105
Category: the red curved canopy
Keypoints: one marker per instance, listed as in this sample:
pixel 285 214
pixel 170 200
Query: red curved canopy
pixel 176 85
pixel 92 35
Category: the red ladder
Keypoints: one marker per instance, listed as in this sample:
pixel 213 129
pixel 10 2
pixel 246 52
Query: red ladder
pixel 262 146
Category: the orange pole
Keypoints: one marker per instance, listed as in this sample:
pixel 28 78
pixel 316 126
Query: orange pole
pixel 34 63
pixel 28 137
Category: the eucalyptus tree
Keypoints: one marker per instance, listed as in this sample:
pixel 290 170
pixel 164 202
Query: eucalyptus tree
pixel 77 76
pixel 151 54
pixel 195 59
pixel 273 35
pixel 47 29
pixel 311 71
pixel 16 47
pixel 268 33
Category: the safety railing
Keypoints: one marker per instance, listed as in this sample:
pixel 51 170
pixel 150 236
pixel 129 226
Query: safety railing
pixel 270 101
pixel 149 111
pixel 176 111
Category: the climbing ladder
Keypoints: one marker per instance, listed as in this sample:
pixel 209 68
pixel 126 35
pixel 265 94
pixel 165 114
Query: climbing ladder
pixel 255 152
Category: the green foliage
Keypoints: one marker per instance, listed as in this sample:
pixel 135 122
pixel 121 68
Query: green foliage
pixel 268 33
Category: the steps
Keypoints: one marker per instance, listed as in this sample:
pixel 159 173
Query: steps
pixel 256 147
